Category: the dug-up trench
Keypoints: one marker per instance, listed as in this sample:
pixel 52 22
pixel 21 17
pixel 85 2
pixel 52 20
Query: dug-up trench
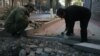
pixel 37 26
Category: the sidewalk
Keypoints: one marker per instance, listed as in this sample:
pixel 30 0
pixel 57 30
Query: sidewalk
pixel 94 27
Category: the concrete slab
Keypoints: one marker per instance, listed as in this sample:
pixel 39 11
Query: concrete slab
pixel 88 47
pixel 69 42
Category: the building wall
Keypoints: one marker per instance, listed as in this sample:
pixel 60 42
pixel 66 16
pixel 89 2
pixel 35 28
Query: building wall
pixel 94 5
pixel 87 3
pixel 96 9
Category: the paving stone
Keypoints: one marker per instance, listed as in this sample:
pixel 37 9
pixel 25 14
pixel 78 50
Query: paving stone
pixel 48 50
pixel 33 46
pixel 22 52
pixel 32 53
pixel 39 50
pixel 41 45
pixel 44 54
pixel 89 47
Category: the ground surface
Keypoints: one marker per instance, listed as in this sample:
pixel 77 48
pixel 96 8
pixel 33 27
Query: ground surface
pixel 49 41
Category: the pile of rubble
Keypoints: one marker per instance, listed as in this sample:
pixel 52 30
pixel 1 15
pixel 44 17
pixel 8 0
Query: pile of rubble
pixel 37 47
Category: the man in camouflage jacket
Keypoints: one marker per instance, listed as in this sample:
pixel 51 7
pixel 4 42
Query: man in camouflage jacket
pixel 17 20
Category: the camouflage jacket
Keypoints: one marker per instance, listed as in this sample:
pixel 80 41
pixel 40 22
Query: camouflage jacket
pixel 17 19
